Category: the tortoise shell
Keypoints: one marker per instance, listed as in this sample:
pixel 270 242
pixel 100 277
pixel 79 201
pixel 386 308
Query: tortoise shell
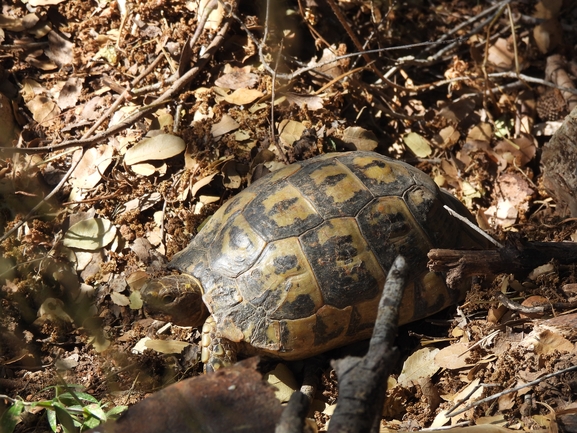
pixel 294 265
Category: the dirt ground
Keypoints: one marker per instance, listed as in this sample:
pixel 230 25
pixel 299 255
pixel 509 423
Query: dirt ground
pixel 131 123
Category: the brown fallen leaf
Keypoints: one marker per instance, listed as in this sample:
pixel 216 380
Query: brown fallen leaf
pixel 312 102
pixel 501 57
pixel 237 78
pixel 226 124
pixel 243 96
pixel 60 50
pixel 357 138
pixel 522 150
pixel 70 92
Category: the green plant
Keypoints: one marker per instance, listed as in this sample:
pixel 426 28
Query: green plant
pixel 69 411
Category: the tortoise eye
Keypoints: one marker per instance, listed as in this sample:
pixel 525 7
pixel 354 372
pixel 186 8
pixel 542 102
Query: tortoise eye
pixel 168 299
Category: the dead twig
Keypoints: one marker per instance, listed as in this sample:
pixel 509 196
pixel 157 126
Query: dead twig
pixel 186 53
pixel 451 412
pixel 85 142
pixel 536 309
pixel 361 393
pixel 160 101
pixel 472 226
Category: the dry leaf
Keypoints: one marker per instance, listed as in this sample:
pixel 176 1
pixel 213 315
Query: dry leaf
pixel 70 92
pixel 544 341
pixel 467 396
pixel 135 300
pixel 312 102
pixel 482 132
pixel 90 234
pixel 418 144
pixel 146 201
pixel 237 78
pixel 357 138
pixel 43 109
pixel 93 164
pixel 167 346
pixel 284 382
pixel 54 308
pixel 159 147
pixel 243 96
pixel 226 124
pixel 420 364
pixel 546 9
pixel 453 357
pixel 507 401
pixel 290 131
pixel 60 50
pixel 459 110
pixel 234 173
pixel 143 169
pixel 515 188
pixel 447 137
pixel 522 150
pixel 504 214
pixel 548 35
pixel 547 268
pixel 331 68
pixel 137 279
pixel 500 57
pixel 200 183
pixel 119 299
pixel 215 17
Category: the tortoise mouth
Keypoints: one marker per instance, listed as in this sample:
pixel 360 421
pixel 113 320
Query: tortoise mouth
pixel 174 298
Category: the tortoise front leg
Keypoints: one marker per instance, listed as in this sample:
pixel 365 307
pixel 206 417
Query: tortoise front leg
pixel 216 351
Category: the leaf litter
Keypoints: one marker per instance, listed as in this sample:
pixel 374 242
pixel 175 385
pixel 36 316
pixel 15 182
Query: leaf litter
pixel 474 115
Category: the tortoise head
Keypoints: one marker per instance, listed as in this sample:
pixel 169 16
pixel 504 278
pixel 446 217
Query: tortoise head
pixel 175 298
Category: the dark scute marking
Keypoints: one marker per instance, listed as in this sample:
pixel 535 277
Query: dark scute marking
pixel 251 285
pixel 221 292
pixel 284 264
pixel 239 239
pixel 268 299
pixel 379 189
pixel 318 193
pixel 355 324
pixel 282 206
pixel 284 335
pixel 187 258
pixel 235 249
pixel 302 306
pixel 260 218
pixel 211 230
pixel 321 333
pixel 245 317
pixel 340 286
pixel 390 232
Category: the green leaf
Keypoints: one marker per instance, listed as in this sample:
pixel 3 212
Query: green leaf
pixel 95 411
pixel 11 417
pixel 115 412
pixel 52 420
pixel 64 418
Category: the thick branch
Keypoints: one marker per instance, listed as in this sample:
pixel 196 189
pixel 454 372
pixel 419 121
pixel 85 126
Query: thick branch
pixel 518 258
pixel 361 380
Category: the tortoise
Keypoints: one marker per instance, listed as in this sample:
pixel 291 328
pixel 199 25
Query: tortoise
pixel 294 265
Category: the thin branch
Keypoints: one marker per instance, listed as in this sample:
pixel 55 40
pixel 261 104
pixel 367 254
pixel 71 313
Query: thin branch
pixel 509 391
